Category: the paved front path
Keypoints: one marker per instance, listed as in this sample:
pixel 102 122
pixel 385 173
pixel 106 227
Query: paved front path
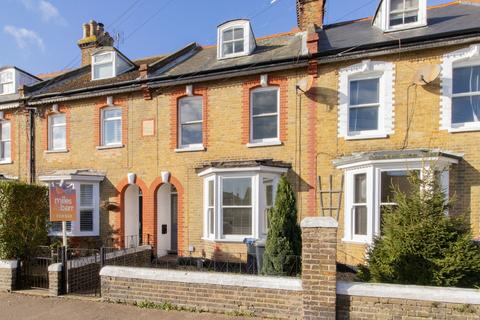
pixel 25 307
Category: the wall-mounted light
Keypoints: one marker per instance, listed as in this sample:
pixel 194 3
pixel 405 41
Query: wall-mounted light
pixel 189 90
pixel 110 101
pixel 264 80
pixel 55 108
pixel 131 177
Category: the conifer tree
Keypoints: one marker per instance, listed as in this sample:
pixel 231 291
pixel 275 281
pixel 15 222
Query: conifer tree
pixel 283 246
pixel 423 242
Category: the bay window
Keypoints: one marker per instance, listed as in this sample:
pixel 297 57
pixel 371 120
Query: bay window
pixel 372 178
pixel 111 126
pixel 237 200
pixel 190 126
pixel 264 112
pixel 5 141
pixel 57 132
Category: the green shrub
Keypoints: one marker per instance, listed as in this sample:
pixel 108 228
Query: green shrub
pixel 24 212
pixel 283 246
pixel 421 244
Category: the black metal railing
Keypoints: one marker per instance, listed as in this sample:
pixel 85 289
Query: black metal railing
pixel 33 270
pixel 129 241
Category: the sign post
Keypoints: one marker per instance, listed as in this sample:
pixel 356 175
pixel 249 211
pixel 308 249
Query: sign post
pixel 63 208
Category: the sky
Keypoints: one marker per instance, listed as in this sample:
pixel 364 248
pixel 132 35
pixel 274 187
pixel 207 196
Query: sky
pixel 40 36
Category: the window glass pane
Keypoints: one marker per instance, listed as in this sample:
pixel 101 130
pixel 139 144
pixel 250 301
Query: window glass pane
pixel 211 220
pixel 103 71
pixel 269 195
pixel 5 131
pixel 360 220
pixel 264 127
pixel 228 48
pixel 102 58
pixel 238 33
pixel 466 79
pixel 191 109
pixel 411 17
pixel 364 91
pixel 57 226
pixel 392 180
pixel 113 132
pixel 191 134
pixel 6 77
pixel 465 109
pixel 5 150
pixel 112 113
pixel 264 102
pixel 211 194
pixel 360 188
pixel 86 195
pixel 86 220
pixel 237 221
pixel 57 120
pixel 228 34
pixel 7 88
pixel 59 138
pixel 411 4
pixel 237 192
pixel 396 5
pixel 363 118
pixel 238 45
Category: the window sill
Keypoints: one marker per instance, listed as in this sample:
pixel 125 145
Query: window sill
pixel 230 240
pixel 6 162
pixel 264 144
pixel 464 129
pixel 118 146
pixel 55 151
pixel 191 149
pixel 74 234
pixel 352 241
pixel 367 136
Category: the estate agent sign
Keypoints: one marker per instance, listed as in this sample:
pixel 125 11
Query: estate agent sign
pixel 63 202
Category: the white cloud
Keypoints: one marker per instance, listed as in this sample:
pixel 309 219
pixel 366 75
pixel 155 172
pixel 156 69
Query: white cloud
pixel 25 37
pixel 47 11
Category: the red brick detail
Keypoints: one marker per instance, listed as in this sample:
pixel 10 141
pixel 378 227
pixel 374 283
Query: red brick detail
pixel 312 157
pixel 174 97
pixel 250 85
pixel 13 136
pixel 61 109
pixel 120 219
pixel 150 218
pixel 97 136
pixel 313 68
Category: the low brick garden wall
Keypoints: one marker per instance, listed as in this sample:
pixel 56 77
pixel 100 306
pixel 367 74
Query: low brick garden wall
pixel 8 275
pixel 280 298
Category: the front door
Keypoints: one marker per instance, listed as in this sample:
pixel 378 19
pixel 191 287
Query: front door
pixel 174 215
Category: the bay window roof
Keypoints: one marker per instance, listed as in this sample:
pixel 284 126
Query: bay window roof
pixel 74 175
pixel 248 165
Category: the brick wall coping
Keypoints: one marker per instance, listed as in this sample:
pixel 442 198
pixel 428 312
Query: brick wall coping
pixel 409 292
pixel 56 267
pixel 8 264
pixel 215 278
pixel 319 222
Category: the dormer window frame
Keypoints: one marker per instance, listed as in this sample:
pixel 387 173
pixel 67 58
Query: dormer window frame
pixel 12 81
pixel 248 39
pixel 385 16
pixel 115 59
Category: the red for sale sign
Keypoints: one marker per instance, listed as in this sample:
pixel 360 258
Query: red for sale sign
pixel 63 202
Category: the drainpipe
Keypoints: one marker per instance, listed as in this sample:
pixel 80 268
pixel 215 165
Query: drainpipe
pixel 31 140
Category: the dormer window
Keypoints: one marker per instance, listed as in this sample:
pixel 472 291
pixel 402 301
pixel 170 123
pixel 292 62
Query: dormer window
pixel 235 38
pixel 109 64
pixel 7 84
pixel 396 15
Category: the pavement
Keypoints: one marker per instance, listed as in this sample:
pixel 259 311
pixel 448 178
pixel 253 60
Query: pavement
pixel 21 306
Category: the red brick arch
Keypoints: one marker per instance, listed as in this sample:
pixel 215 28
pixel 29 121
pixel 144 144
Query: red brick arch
pixel 151 220
pixel 121 188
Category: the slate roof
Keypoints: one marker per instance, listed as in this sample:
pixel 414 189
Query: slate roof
pixel 446 19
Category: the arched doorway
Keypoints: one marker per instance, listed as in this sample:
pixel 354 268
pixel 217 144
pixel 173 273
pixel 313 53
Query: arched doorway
pixel 133 211
pixel 167 217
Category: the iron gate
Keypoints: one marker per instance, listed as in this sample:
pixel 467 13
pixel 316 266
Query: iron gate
pixel 33 272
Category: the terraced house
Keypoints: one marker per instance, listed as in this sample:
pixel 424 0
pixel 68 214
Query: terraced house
pixel 185 150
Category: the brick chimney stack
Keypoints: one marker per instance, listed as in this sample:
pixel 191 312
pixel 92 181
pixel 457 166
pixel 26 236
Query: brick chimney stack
pixel 310 12
pixel 94 36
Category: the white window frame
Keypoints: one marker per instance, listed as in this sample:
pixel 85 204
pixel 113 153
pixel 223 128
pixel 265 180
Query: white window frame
pixel 258 202
pixel 233 28
pixel 385 72
pixel 466 57
pixel 373 171
pixel 193 146
pixel 382 19
pixel 210 232
pixel 266 140
pixel 13 81
pixel 111 61
pixel 86 207
pixel 3 140
pixel 50 131
pixel 248 39
pixel 75 229
pixel 104 120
